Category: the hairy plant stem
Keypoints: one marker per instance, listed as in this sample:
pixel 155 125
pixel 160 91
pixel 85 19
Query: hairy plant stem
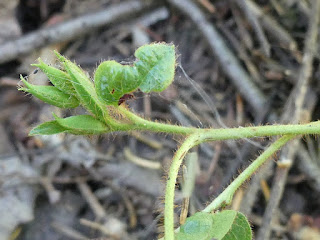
pixel 195 136
pixel 190 141
pixel 139 123
pixel 210 134
pixel 226 196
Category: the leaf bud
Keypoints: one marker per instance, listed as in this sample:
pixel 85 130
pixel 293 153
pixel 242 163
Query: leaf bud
pixel 59 79
pixel 84 87
pixel 50 95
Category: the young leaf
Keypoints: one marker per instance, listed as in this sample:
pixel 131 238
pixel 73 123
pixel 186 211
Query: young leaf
pixel 51 95
pixel 47 128
pixel 156 66
pixel 225 225
pixel 84 88
pixel 198 226
pixel 59 79
pixel 230 223
pixel 113 80
pixel 153 71
pixel 82 125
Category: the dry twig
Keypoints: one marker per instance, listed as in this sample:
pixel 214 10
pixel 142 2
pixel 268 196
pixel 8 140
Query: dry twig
pixel 298 94
pixel 92 200
pixel 309 167
pixel 68 232
pixel 273 28
pixel 146 163
pixel 228 60
pixel 70 29
pixel 256 26
pixel 127 202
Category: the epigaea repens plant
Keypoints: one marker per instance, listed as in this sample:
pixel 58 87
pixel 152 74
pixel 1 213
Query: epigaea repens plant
pixel 152 71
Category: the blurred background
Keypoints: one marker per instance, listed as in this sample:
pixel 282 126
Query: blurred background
pixel 239 63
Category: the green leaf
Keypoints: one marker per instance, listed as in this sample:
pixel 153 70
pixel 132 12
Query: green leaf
pixel 79 125
pixel 59 79
pixel 156 66
pixel 113 80
pixel 225 225
pixel 84 88
pixel 153 71
pixel 82 125
pixel 51 95
pixel 198 226
pixel 47 128
pixel 230 224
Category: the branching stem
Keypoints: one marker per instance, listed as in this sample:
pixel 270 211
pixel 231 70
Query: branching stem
pixel 190 142
pixel 226 196
pixel 152 72
pixel 195 136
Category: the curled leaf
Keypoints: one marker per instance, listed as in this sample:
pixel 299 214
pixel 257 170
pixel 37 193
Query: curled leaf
pixel 50 95
pixel 59 79
pixel 153 71
pixel 113 80
pixel 156 66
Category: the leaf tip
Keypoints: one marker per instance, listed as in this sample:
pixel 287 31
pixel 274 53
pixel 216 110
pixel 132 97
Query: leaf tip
pixel 59 56
pixel 55 116
pixel 25 82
